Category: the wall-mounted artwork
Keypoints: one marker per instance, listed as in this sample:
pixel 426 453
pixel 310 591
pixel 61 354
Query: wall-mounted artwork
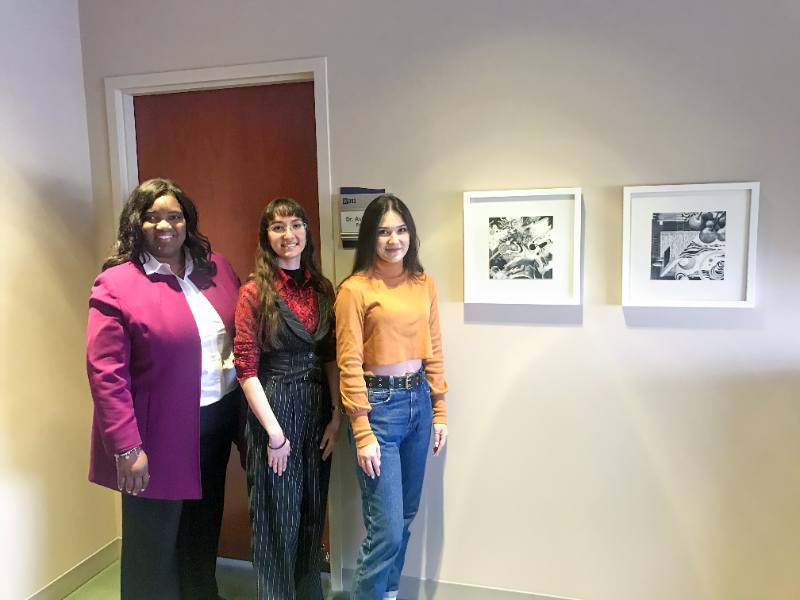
pixel 522 246
pixel 690 245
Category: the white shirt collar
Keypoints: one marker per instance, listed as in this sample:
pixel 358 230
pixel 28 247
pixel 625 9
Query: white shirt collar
pixel 152 265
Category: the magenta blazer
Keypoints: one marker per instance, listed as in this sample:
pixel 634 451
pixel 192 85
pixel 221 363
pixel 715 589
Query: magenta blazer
pixel 143 360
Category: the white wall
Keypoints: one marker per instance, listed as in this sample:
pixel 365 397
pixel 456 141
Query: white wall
pixel 629 456
pixel 51 518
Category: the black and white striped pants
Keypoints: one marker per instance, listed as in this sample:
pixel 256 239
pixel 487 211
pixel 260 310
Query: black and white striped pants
pixel 287 512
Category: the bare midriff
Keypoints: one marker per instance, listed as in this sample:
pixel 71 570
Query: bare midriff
pixel 402 368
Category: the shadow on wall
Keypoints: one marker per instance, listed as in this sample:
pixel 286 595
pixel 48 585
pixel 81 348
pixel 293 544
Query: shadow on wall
pixel 645 317
pixel 45 409
pixel 426 545
pixel 756 520
pixel 523 314
pixel 727 464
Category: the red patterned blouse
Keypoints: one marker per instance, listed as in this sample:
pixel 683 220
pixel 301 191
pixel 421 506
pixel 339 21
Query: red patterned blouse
pixel 300 298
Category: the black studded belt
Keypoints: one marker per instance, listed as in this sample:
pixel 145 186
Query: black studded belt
pixel 394 382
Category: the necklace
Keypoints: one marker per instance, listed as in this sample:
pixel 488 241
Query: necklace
pixel 182 271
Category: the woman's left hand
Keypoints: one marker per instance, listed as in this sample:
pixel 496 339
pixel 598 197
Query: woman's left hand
pixel 278 456
pixel 329 437
pixel 439 437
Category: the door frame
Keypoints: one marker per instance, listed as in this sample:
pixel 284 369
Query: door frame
pixel 120 92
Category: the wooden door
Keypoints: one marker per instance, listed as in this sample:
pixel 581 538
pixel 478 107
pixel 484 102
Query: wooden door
pixel 233 151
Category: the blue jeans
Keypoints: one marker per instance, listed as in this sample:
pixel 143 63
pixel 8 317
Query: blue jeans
pixel 401 421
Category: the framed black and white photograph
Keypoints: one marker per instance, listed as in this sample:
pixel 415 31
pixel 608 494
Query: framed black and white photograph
pixel 522 246
pixel 690 245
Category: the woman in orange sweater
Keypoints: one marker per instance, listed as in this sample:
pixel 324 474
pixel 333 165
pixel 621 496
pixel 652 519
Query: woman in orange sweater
pixel 389 351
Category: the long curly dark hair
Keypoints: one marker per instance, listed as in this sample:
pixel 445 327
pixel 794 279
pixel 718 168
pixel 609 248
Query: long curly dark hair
pixel 267 267
pixel 130 242
pixel 366 254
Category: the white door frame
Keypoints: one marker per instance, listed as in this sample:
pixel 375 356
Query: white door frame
pixel 120 92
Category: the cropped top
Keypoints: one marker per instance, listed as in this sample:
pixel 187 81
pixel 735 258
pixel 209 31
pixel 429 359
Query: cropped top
pixel 383 318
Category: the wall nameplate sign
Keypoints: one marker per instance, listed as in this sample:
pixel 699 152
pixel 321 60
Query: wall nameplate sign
pixel 352 202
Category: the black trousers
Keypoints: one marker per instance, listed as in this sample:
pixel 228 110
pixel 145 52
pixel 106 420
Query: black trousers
pixel 169 547
pixel 288 511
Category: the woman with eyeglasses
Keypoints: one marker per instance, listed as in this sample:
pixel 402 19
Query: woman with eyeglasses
pixel 285 357
pixel 392 381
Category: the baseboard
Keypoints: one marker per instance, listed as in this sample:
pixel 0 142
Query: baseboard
pixel 80 573
pixel 236 578
pixel 412 588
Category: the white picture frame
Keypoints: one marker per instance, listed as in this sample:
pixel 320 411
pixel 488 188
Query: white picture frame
pixel 690 245
pixel 523 247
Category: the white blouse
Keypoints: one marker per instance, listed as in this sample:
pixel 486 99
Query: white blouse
pixel 218 376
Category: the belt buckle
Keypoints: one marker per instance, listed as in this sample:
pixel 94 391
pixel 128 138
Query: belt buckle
pixel 407 382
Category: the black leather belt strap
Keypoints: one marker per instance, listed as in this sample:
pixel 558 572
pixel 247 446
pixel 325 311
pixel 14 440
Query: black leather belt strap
pixel 394 382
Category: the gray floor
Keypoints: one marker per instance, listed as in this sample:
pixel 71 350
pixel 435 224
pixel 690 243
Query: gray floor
pixel 235 579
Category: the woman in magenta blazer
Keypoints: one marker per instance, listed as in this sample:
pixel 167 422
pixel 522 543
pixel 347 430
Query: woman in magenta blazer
pixel 160 364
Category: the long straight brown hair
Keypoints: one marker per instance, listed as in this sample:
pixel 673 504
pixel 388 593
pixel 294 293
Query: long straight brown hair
pixel 267 268
pixel 366 253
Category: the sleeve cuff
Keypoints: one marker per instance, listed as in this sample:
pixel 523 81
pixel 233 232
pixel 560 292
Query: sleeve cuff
pixel 120 442
pixel 241 374
pixel 439 409
pixel 362 432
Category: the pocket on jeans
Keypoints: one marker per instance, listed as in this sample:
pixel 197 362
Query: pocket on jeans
pixel 377 396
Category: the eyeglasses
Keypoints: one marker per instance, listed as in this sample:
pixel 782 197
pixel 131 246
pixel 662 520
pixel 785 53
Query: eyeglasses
pixel 280 228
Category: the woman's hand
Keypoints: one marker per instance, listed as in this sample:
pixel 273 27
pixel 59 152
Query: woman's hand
pixel 329 437
pixel 439 437
pixel 278 453
pixel 133 473
pixel 369 459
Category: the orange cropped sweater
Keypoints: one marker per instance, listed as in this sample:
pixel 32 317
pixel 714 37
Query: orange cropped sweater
pixel 381 319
